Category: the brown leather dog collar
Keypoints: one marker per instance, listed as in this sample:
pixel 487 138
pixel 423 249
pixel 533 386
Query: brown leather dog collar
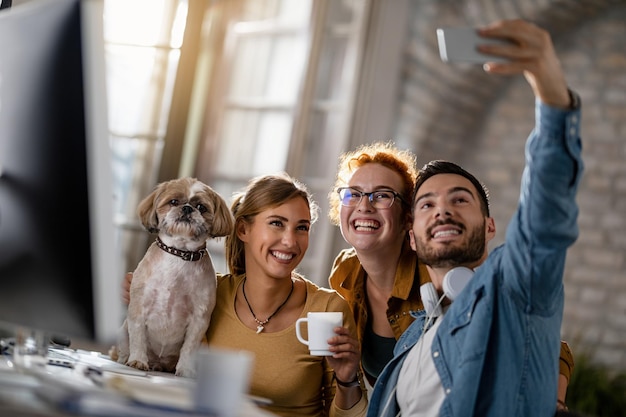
pixel 184 254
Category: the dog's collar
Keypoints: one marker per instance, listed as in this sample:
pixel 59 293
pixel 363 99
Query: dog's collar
pixel 184 254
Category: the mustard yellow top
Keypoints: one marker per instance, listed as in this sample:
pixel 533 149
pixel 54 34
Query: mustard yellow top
pixel 297 383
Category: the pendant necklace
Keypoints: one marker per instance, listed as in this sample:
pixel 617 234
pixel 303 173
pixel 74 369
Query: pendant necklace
pixel 261 324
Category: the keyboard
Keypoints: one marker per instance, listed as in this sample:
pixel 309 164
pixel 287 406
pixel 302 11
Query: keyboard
pixel 95 360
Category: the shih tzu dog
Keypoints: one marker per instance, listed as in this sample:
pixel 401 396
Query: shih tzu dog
pixel 173 289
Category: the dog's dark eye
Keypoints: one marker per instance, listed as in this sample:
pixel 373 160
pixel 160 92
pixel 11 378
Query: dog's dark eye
pixel 174 202
pixel 201 208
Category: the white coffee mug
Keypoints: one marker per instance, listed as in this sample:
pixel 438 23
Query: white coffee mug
pixel 320 326
pixel 222 381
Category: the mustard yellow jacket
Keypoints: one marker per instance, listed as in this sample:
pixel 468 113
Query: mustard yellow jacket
pixel 348 278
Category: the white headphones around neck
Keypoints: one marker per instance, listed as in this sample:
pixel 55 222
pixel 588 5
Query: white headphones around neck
pixel 453 283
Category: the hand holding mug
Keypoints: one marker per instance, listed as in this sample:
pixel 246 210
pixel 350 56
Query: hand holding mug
pixel 320 327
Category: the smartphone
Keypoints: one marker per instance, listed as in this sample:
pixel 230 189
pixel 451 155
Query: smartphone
pixel 458 44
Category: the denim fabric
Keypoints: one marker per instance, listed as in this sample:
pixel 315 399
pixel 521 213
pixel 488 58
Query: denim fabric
pixel 497 348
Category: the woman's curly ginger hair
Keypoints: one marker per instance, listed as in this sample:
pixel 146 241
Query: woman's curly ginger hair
pixel 402 161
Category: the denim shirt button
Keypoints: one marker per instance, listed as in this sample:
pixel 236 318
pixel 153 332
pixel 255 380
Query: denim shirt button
pixel 436 354
pixel 448 390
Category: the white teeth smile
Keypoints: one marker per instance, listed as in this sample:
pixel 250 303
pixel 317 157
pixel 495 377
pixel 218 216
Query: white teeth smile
pixel 366 225
pixel 445 233
pixel 282 256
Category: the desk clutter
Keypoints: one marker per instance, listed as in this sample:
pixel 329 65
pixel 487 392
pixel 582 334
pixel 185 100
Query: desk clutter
pixel 85 383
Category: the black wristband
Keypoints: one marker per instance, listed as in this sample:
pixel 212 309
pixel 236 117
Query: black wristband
pixel 574 100
pixel 355 382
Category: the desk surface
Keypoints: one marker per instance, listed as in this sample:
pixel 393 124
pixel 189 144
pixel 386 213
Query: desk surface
pixel 95 385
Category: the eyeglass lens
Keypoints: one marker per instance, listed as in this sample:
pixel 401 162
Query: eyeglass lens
pixel 378 199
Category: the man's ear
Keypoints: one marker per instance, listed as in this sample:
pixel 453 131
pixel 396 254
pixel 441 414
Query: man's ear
pixel 490 228
pixel 412 239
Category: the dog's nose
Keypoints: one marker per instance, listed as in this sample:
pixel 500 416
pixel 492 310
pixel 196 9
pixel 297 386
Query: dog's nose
pixel 187 209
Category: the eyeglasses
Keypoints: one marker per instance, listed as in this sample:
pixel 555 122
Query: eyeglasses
pixel 379 199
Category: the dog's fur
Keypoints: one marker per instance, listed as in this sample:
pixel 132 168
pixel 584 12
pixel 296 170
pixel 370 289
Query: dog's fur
pixel 171 299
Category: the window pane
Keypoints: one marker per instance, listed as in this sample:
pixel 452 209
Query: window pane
pixel 286 67
pixel 268 66
pixel 140 83
pixel 331 82
pixel 344 11
pixel 272 142
pixel 249 67
pixel 293 12
pixel 259 9
pixel 254 143
pixel 325 128
pixel 133 161
pixel 154 16
pixel 236 144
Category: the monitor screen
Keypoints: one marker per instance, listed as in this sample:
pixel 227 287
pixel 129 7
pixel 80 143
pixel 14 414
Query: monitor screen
pixel 59 263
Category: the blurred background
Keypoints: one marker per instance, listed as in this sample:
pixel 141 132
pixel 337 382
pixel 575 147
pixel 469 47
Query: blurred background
pixel 224 90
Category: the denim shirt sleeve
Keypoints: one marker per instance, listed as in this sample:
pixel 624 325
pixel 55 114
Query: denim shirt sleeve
pixel 382 402
pixel 545 223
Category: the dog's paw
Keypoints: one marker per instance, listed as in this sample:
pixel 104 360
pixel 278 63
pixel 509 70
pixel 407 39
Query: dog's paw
pixel 186 365
pixel 113 353
pixel 118 355
pixel 142 366
pixel 185 372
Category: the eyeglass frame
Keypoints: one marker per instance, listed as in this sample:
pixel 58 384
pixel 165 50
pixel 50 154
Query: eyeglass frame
pixel 369 196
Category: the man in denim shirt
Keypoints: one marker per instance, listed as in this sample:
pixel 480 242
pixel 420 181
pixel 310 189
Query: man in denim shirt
pixel 494 351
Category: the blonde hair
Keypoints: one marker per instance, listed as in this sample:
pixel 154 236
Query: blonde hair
pixel 262 192
pixel 401 161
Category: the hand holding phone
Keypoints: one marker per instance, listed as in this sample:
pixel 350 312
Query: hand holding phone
pixel 459 44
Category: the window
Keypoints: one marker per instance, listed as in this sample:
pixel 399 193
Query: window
pixel 272 88
pixel 142 41
pixel 280 98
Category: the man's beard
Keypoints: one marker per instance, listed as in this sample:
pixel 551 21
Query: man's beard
pixel 451 256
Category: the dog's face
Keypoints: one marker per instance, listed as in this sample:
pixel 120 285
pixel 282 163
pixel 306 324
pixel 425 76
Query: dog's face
pixel 187 209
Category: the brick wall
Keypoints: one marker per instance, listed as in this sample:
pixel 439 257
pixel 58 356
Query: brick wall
pixel 460 113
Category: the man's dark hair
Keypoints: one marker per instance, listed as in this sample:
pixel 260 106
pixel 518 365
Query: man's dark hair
pixel 445 167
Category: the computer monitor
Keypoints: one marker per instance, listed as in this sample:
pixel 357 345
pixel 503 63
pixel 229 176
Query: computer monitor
pixel 59 262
